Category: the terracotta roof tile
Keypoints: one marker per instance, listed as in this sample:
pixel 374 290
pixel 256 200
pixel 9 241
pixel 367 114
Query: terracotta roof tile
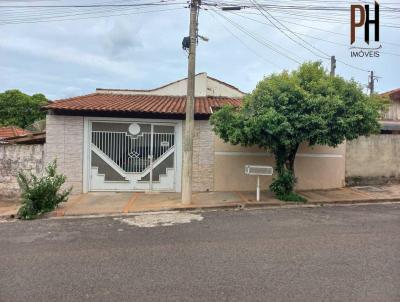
pixel 140 103
pixel 393 94
pixel 12 131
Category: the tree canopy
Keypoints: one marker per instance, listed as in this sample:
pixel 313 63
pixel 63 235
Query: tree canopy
pixel 20 109
pixel 305 105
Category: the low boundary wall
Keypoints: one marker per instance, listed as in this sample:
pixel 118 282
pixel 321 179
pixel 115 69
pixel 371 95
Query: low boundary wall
pixel 373 160
pixel 15 158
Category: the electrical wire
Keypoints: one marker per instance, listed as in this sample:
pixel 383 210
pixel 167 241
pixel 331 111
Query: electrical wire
pixel 261 10
pixel 338 60
pixel 241 41
pixel 307 35
pixel 94 17
pixel 99 10
pixel 245 31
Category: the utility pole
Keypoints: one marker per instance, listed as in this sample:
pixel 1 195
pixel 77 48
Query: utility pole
pixel 190 99
pixel 333 66
pixel 371 83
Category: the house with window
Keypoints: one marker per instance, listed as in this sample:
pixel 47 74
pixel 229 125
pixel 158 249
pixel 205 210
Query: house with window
pixel 131 140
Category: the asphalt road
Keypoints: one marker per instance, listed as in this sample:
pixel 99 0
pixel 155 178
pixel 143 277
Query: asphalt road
pixel 304 254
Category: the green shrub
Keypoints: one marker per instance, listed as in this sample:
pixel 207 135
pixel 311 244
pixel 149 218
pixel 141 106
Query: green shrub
pixel 41 194
pixel 283 184
pixel 292 197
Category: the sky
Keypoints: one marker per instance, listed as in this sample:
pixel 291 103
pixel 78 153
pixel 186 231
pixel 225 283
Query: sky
pixel 143 50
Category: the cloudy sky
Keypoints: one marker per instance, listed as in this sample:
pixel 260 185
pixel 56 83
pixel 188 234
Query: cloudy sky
pixel 135 48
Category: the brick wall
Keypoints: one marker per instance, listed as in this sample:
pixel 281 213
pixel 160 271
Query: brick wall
pixel 15 158
pixel 203 157
pixel 64 142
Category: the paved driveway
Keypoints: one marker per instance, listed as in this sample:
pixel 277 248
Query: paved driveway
pixel 303 254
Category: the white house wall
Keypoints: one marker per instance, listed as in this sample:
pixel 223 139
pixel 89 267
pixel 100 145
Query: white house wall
pixel 215 88
pixel 205 86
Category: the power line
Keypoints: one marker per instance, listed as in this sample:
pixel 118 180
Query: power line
pixel 82 6
pixel 307 35
pixel 92 17
pixel 256 39
pixel 304 12
pixel 338 60
pixel 352 66
pixel 242 13
pixel 261 11
pixel 291 7
pixel 241 41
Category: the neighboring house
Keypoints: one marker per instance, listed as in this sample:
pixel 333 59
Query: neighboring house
pixel 28 139
pixel 11 132
pixel 391 120
pixel 131 140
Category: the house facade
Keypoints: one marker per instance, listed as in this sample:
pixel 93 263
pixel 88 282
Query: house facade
pixel 131 140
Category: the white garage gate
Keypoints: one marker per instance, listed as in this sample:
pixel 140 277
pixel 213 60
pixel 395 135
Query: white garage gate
pixel 133 155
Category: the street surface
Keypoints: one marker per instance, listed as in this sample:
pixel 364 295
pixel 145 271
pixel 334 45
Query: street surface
pixel 339 253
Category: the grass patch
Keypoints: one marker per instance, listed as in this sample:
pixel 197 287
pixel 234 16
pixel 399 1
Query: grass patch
pixel 292 197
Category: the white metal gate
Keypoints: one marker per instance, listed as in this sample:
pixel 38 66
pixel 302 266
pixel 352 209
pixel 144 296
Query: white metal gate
pixel 134 156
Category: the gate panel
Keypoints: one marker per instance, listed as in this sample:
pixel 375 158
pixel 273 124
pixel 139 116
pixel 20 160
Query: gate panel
pixel 132 156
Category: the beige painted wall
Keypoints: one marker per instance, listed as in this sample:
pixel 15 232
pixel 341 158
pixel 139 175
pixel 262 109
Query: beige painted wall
pixel 373 159
pixel 319 167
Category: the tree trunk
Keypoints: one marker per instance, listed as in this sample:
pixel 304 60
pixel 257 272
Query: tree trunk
pixel 289 161
pixel 284 160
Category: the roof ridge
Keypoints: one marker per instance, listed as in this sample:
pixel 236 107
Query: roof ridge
pixel 171 83
pixel 70 98
pixel 152 89
pixel 146 95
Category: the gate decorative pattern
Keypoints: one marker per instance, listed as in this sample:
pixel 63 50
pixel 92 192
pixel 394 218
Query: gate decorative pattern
pixel 132 156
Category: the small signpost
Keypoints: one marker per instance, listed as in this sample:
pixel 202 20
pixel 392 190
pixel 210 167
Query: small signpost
pixel 258 171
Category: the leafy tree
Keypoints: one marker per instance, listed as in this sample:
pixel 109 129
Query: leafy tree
pixel 289 108
pixel 20 109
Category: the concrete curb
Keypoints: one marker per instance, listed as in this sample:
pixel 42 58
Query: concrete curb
pixel 230 206
pixel 239 206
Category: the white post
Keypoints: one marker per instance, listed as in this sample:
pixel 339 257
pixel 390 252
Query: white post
pixel 258 188
pixel 151 156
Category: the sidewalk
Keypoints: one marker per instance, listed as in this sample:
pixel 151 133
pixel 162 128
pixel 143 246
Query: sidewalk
pixel 103 203
pixel 8 208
